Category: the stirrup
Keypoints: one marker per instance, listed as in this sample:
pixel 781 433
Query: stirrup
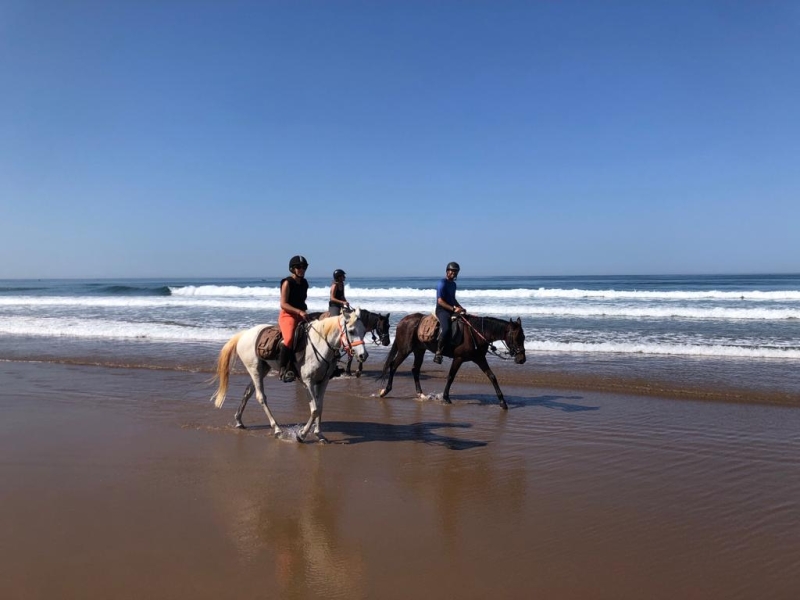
pixel 437 358
pixel 287 376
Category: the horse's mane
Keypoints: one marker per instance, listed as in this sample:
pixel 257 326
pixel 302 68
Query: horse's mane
pixel 493 323
pixel 326 325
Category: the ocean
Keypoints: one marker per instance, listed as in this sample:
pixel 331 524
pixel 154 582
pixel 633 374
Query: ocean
pixel 737 332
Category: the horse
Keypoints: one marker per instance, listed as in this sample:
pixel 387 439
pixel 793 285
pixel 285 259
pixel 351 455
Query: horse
pixel 478 335
pixel 374 323
pixel 316 361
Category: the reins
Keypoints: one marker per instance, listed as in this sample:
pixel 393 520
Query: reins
pixel 491 345
pixel 344 337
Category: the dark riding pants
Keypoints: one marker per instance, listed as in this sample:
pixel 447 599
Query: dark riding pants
pixel 444 323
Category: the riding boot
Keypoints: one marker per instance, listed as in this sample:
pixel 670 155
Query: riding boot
pixel 437 358
pixel 285 374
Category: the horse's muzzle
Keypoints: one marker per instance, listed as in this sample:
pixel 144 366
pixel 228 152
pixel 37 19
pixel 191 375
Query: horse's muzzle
pixel 519 358
pixel 362 357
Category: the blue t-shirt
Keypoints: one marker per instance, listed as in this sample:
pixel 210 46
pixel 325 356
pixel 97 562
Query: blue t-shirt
pixel 446 290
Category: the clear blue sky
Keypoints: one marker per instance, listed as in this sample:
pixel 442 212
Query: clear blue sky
pixel 184 138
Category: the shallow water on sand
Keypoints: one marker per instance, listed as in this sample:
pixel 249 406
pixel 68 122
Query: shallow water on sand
pixel 565 495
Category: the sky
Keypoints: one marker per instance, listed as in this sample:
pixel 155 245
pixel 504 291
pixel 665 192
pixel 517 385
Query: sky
pixel 218 139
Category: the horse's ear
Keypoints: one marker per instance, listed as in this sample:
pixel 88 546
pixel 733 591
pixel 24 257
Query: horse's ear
pixel 519 321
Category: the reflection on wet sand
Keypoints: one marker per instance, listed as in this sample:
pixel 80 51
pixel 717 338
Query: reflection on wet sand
pixel 291 522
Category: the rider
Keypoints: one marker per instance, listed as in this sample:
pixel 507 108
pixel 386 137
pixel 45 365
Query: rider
pixel 337 300
pixel 446 305
pixel 294 291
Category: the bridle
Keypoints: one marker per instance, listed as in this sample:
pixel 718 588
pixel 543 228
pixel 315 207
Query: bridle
pixel 347 344
pixel 511 347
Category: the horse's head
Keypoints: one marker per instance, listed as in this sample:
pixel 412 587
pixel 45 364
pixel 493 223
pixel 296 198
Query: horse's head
pixel 382 328
pixel 515 340
pixel 353 332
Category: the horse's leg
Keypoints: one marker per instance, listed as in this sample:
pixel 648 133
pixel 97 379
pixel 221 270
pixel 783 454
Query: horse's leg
pixel 258 380
pixel 314 409
pixel 451 376
pixel 321 387
pixel 484 365
pixel 398 360
pixel 349 364
pixel 247 393
pixel 360 368
pixel 419 356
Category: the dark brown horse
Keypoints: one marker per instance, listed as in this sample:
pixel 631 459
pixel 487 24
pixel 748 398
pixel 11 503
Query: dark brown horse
pixel 375 323
pixel 478 335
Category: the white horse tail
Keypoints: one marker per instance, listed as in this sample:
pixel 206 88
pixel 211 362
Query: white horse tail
pixel 227 356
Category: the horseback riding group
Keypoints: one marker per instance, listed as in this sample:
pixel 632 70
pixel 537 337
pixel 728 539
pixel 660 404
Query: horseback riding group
pixel 308 345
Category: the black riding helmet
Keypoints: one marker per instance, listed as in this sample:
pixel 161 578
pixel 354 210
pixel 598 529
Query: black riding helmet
pixel 338 273
pixel 298 261
pixel 453 266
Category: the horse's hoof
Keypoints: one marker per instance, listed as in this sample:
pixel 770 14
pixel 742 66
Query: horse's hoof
pixel 322 439
pixel 446 401
pixel 382 393
pixel 503 405
pixel 240 425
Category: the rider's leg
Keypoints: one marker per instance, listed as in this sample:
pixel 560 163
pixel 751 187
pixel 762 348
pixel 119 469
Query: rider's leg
pixel 286 374
pixel 287 323
pixel 444 332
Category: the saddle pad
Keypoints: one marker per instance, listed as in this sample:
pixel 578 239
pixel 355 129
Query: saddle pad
pixel 428 329
pixel 267 343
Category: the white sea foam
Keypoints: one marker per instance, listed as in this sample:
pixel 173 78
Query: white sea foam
pixel 520 293
pixel 585 309
pixel 663 349
pixel 74 327
pixel 107 329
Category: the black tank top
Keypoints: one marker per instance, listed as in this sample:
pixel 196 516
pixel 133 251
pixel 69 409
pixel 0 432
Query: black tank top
pixel 298 292
pixel 338 293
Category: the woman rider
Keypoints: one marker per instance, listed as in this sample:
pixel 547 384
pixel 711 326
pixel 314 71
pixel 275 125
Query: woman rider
pixel 446 305
pixel 294 291
pixel 337 300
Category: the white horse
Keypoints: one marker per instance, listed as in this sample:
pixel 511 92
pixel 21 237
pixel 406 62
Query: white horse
pixel 316 362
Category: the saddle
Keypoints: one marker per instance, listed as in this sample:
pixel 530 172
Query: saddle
pixel 428 330
pixel 268 343
pixel 269 340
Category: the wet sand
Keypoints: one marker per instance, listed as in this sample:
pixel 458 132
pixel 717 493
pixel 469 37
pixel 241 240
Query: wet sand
pixel 127 483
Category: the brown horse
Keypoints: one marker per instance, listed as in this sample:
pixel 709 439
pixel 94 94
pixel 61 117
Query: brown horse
pixel 478 335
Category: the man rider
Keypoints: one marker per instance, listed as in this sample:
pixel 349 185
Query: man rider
pixel 446 305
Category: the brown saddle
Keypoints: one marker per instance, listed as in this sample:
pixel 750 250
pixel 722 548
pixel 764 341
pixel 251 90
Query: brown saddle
pixel 269 340
pixel 268 343
pixel 428 329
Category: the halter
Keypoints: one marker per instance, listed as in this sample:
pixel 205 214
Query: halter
pixel 344 336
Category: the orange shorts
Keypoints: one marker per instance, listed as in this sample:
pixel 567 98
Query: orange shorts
pixel 288 323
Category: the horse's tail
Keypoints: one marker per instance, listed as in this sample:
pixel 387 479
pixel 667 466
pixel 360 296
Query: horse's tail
pixel 227 357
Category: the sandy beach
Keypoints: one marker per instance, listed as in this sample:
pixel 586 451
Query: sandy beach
pixel 127 483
